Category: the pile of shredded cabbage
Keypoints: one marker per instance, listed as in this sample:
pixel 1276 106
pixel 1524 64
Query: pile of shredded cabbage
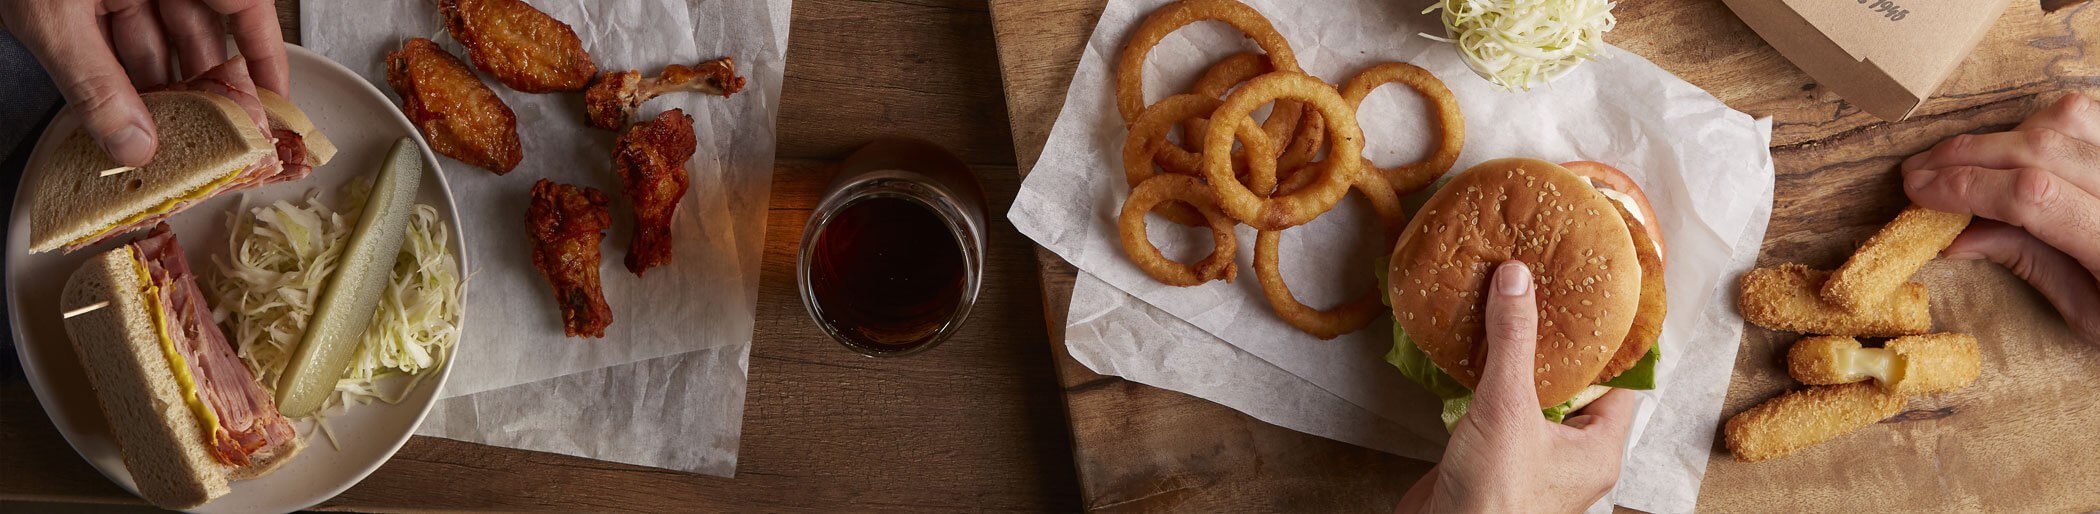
pixel 1519 44
pixel 282 255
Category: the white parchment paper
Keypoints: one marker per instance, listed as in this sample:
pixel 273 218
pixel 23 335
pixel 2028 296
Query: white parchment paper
pixel 672 366
pixel 1705 167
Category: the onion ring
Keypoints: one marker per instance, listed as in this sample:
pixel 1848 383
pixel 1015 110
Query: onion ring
pixel 1286 123
pixel 1450 126
pixel 1136 244
pixel 1283 211
pixel 1148 137
pixel 1130 65
pixel 1352 315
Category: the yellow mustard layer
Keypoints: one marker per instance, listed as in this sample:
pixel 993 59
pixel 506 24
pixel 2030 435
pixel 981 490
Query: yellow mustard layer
pixel 175 360
pixel 200 192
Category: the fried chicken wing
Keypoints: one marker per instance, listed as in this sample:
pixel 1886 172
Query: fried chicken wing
pixel 566 223
pixel 651 161
pixel 460 116
pixel 614 96
pixel 524 48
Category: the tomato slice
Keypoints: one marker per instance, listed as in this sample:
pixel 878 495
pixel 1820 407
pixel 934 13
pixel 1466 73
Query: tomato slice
pixel 1616 180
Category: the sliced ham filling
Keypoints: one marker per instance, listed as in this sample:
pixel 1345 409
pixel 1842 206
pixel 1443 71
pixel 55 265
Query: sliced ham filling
pixel 249 424
pixel 291 150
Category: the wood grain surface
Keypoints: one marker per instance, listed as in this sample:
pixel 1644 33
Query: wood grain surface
pixel 1143 448
pixel 976 424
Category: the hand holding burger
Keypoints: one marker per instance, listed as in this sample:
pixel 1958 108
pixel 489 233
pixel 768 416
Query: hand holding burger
pixel 1503 456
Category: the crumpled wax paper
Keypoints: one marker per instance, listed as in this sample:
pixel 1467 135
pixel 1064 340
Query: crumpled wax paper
pixel 671 369
pixel 1705 167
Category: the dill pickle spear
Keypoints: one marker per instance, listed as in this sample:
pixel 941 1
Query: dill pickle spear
pixel 352 294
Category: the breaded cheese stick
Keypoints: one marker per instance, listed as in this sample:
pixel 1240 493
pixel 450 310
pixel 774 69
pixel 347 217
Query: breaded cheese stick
pixel 1804 418
pixel 1915 365
pixel 1888 259
pixel 1832 360
pixel 1936 363
pixel 1785 298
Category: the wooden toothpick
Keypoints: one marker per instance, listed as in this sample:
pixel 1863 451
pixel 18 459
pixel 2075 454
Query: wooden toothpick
pixel 119 169
pixel 89 308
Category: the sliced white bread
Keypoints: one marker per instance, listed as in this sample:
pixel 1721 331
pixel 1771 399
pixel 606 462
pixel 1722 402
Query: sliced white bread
pixel 164 445
pixel 203 138
pixel 319 150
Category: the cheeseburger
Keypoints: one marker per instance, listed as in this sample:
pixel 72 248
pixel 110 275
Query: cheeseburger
pixel 1588 235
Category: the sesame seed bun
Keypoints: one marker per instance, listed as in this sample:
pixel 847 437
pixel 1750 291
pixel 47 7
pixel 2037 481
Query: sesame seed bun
pixel 1577 243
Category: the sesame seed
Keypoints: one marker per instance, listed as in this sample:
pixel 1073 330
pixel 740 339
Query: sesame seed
pixel 1596 333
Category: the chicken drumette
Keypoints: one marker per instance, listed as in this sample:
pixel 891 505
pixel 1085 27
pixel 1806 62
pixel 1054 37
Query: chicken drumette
pixel 614 96
pixel 566 223
pixel 651 161
pixel 524 48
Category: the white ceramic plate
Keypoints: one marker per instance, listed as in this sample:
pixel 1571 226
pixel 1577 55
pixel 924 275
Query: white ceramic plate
pixel 363 123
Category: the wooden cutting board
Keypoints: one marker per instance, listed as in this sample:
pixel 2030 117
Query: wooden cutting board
pixel 2013 441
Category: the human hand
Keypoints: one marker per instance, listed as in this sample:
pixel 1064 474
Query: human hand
pixel 2041 182
pixel 100 52
pixel 1503 455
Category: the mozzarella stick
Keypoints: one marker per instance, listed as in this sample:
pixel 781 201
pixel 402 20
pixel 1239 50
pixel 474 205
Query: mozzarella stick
pixel 1804 418
pixel 1887 260
pixel 1915 365
pixel 1832 360
pixel 1785 298
pixel 1936 363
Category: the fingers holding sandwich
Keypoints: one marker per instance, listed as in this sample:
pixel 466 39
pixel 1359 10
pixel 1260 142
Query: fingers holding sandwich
pixel 1507 392
pixel 135 34
pixel 1507 389
pixel 199 37
pixel 87 73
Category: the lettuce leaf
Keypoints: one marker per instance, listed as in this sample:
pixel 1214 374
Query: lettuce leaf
pixel 1642 375
pixel 1417 366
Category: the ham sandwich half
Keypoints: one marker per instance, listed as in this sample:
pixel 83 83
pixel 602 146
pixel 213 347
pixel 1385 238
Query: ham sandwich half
pixel 187 414
pixel 218 134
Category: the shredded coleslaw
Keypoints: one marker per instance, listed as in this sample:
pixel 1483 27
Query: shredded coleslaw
pixel 1519 44
pixel 281 256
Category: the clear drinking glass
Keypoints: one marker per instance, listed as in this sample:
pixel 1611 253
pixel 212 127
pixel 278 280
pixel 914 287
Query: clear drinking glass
pixel 892 258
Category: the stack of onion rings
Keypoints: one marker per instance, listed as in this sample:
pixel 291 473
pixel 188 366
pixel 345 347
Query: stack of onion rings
pixel 1289 121
pixel 1148 138
pixel 1262 174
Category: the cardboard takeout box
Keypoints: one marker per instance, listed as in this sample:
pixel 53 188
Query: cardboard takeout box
pixel 1885 56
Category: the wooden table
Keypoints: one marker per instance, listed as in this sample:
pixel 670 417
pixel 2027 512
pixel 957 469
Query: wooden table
pixel 1143 448
pixel 974 424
